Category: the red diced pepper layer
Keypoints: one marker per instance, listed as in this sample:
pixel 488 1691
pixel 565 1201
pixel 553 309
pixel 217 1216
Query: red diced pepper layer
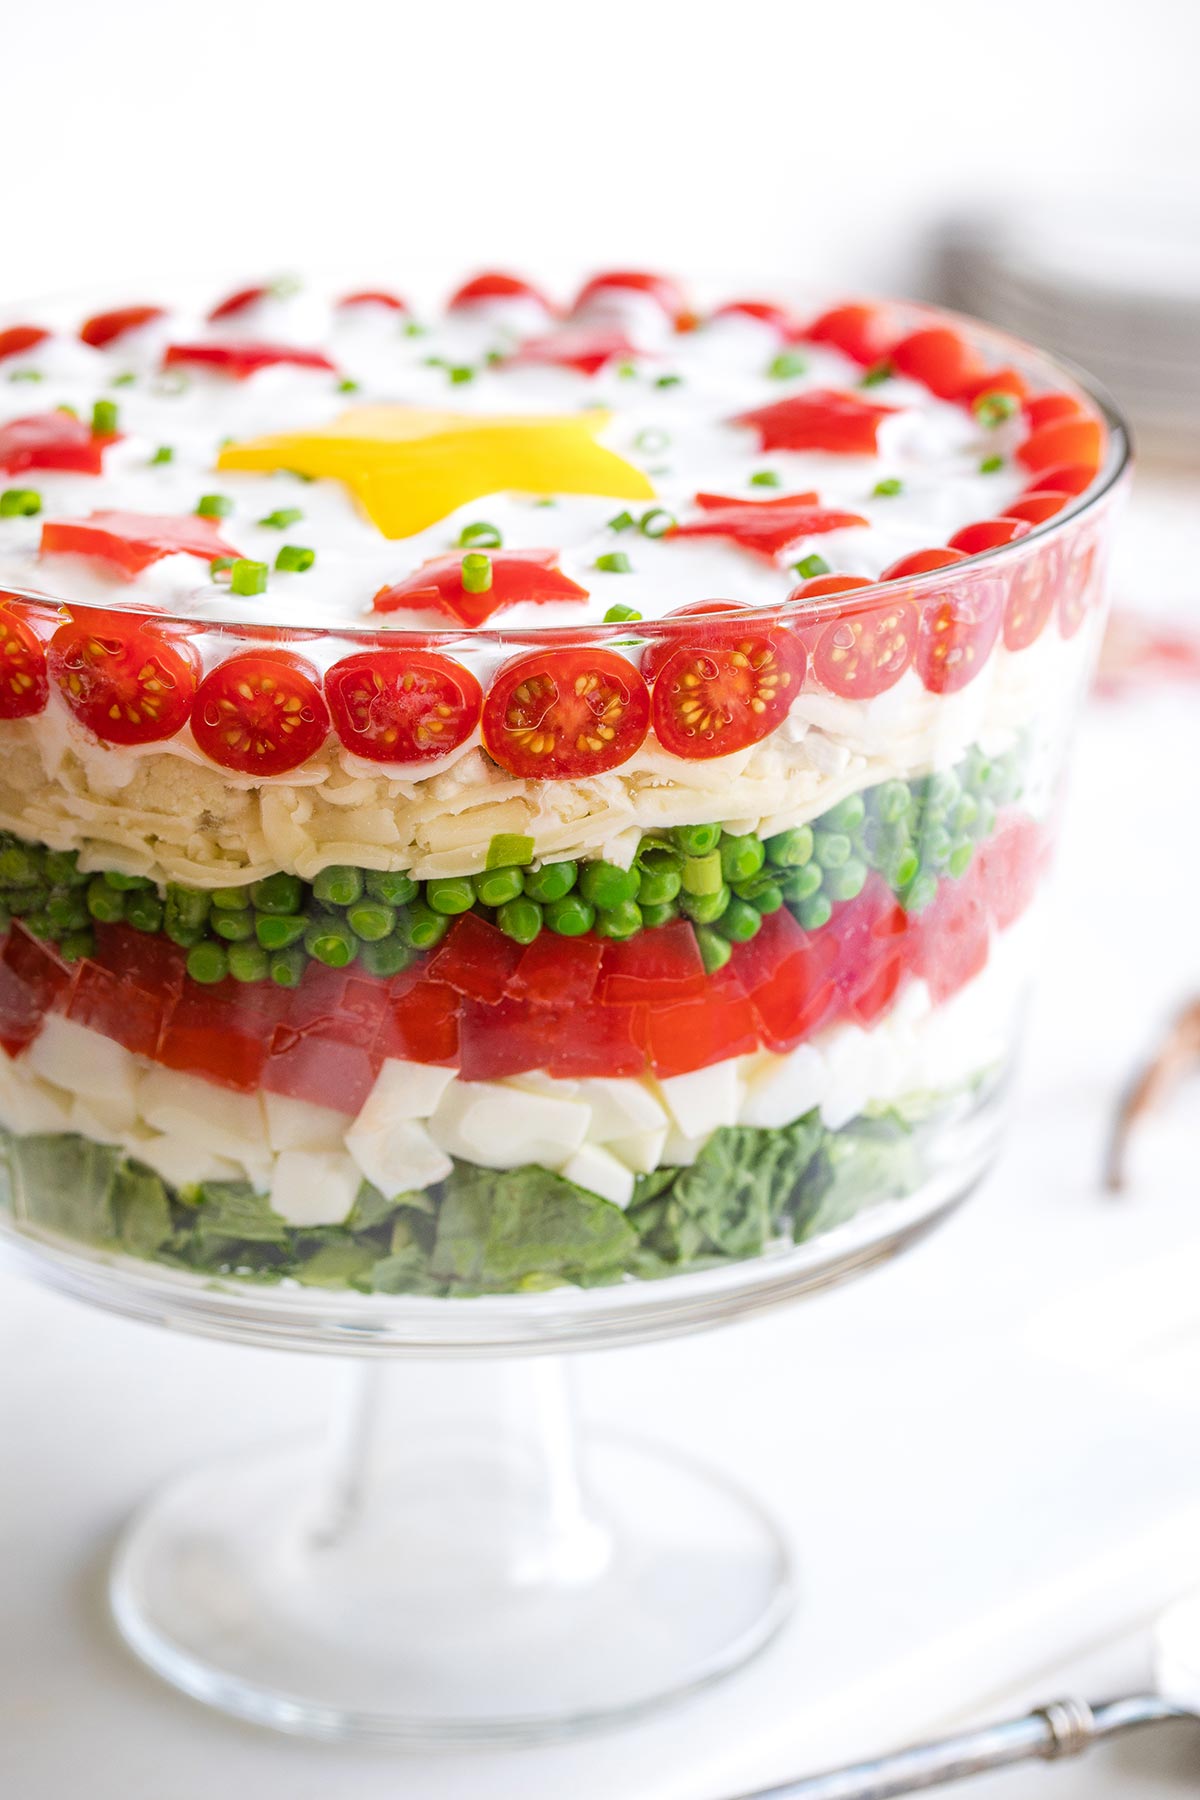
pixel 421 1024
pixel 663 964
pixel 476 960
pixel 557 971
pixel 116 1007
pixel 695 1033
pixel 331 1062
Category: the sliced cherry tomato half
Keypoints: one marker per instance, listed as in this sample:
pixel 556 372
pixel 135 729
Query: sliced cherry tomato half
pixel 494 284
pixel 1031 594
pixel 940 359
pixel 1063 441
pixel 829 584
pixel 123 677
pixel 988 534
pixel 15 340
pixel 730 689
pixel 1075 589
pixel 244 358
pixel 375 297
pixel 859 332
pixel 660 288
pixel 864 654
pixel 1037 507
pixel 957 634
pixel 402 706
pixel 997 381
pixel 1044 409
pixel 563 715
pixel 1071 478
pixel 820 419
pixel 660 648
pixel 105 328
pixel 922 562
pixel 260 713
pixel 24 686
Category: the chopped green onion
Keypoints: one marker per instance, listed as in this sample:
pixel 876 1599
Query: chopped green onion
pixel 127 378
pixel 26 375
pixel 877 373
pixel 889 486
pixel 669 381
pixel 104 418
pixel 221 565
pixel 991 464
pixel 287 515
pixel 20 503
pixel 786 365
pixel 247 578
pixel 626 370
pixel 621 615
pixel 476 573
pixel 614 562
pixel 656 523
pixel 993 409
pixel 622 521
pixel 293 559
pixel 480 536
pixel 347 385
pixel 651 440
pixel 164 454
pixel 765 478
pixel 509 849
pixel 460 373
pixel 214 506
pixel 810 566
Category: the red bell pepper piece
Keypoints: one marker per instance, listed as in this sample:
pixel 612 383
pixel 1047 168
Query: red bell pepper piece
pixel 557 971
pixel 476 959
pixel 660 965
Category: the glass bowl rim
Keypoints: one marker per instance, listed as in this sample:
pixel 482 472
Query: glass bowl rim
pixel 810 612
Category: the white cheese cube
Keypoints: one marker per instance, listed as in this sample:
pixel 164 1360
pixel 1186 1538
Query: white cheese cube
pixel 641 1151
pixel 701 1101
pixel 82 1061
pixel 27 1103
pixel 681 1150
pixel 595 1169
pixel 785 1088
pixel 620 1106
pixel 104 1121
pixel 398 1156
pixel 179 1159
pixel 222 1121
pixel 298 1125
pixel 314 1187
pixel 849 1059
pixel 499 1127
pixel 403 1090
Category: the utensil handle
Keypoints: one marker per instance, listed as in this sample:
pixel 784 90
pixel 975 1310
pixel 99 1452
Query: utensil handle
pixel 1064 1728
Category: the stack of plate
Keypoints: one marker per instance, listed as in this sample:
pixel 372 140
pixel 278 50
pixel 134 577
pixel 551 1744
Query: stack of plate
pixel 1113 285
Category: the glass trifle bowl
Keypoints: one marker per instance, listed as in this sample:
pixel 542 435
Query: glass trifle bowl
pixel 522 830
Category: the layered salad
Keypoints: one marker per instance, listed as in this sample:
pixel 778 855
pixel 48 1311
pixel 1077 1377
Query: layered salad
pixel 522 792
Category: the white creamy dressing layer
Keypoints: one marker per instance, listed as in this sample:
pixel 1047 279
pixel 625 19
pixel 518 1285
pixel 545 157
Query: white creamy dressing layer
pixel 598 1133
pixel 678 435
pixel 163 810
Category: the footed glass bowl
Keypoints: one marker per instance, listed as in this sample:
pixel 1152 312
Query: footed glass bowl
pixel 506 958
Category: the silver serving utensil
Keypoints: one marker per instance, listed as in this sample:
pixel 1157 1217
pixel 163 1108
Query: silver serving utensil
pixel 1063 1728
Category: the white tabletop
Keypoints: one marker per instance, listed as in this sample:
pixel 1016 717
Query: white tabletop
pixel 984 1454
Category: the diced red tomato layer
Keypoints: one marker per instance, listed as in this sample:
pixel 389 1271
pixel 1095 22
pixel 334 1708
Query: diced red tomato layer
pixel 484 1005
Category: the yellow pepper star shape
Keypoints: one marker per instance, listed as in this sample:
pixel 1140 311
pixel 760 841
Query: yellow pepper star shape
pixel 409 466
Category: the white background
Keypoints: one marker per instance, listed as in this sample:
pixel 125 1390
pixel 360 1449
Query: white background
pixel 816 140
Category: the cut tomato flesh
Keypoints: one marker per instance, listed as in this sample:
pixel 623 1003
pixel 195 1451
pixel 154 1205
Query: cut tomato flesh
pixel 820 419
pixel 24 683
pixel 728 690
pixel 564 714
pixel 663 964
pixel 494 284
pixel 105 328
pixel 941 360
pixel 375 297
pixel 958 632
pixel 516 576
pixel 1031 594
pixel 402 705
pixel 666 293
pixel 52 440
pixel 260 714
pixel 240 360
pixel 988 534
pixel 123 679
pixel 859 332
pixel 130 542
pixel 557 971
pixel 1074 441
pixel 476 959
pixel 863 654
